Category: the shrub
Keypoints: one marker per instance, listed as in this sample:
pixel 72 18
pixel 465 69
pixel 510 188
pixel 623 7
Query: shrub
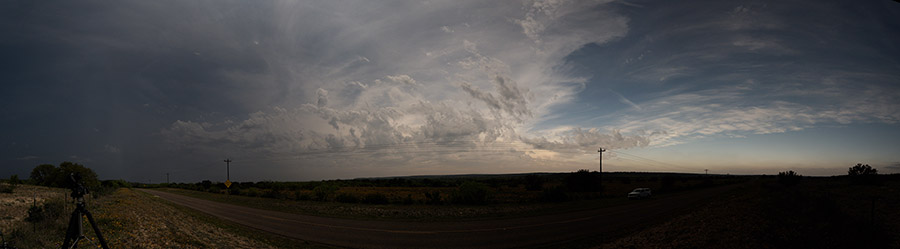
pixel 583 181
pixel 14 180
pixel 324 191
pixel 7 188
pixel 302 196
pixel 346 198
pixel 49 211
pixel 375 198
pixel 789 178
pixel 470 193
pixel 433 197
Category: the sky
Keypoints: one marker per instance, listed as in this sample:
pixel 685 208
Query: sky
pixel 311 90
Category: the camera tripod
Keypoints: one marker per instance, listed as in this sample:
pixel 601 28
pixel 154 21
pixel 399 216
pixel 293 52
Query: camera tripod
pixel 75 233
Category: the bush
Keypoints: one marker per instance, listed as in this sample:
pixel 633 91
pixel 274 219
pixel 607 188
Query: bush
pixel 49 211
pixel 302 196
pixel 252 192
pixel 346 198
pixel 408 200
pixel 7 188
pixel 470 193
pixel 433 197
pixel 583 181
pixel 324 191
pixel 375 198
pixel 14 180
pixel 789 178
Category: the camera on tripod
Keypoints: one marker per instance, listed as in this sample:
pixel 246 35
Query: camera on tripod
pixel 78 189
pixel 75 232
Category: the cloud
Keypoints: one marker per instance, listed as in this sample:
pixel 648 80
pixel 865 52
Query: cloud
pixel 111 149
pixel 510 99
pixel 478 87
pixel 322 97
pixel 402 78
pixel 588 140
pixel 893 166
pixel 27 158
pixel 627 101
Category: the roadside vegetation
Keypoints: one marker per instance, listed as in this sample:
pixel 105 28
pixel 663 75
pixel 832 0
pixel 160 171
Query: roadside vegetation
pixel 464 189
pixel 469 197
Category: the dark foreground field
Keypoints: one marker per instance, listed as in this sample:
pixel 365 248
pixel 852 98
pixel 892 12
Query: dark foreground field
pixel 834 212
pixel 756 212
pixel 761 213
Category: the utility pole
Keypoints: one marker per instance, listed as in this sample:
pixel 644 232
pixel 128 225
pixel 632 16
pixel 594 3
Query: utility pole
pixel 601 150
pixel 228 169
pixel 707 171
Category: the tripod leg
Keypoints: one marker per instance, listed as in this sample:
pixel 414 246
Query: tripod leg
pixel 96 228
pixel 72 233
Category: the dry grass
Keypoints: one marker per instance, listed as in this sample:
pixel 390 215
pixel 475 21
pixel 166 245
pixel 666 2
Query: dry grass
pixel 14 206
pixel 128 219
pixel 134 220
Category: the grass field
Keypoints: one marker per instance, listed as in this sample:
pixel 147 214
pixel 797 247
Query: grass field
pixel 130 219
pixel 761 213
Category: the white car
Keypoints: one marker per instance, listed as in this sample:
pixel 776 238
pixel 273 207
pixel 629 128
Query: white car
pixel 640 193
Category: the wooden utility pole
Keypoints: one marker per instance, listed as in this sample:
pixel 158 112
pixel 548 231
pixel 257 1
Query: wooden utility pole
pixel 228 169
pixel 601 150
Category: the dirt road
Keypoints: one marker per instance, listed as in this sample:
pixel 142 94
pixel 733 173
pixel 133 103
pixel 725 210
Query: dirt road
pixel 534 231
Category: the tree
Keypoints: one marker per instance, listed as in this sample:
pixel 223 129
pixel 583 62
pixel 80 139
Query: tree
pixel 862 170
pixel 52 176
pixel 88 177
pixel 863 174
pixel 45 175
pixel 789 178
pixel 14 179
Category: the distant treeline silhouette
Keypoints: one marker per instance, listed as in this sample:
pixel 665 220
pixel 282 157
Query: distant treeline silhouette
pixel 52 176
pixel 465 190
